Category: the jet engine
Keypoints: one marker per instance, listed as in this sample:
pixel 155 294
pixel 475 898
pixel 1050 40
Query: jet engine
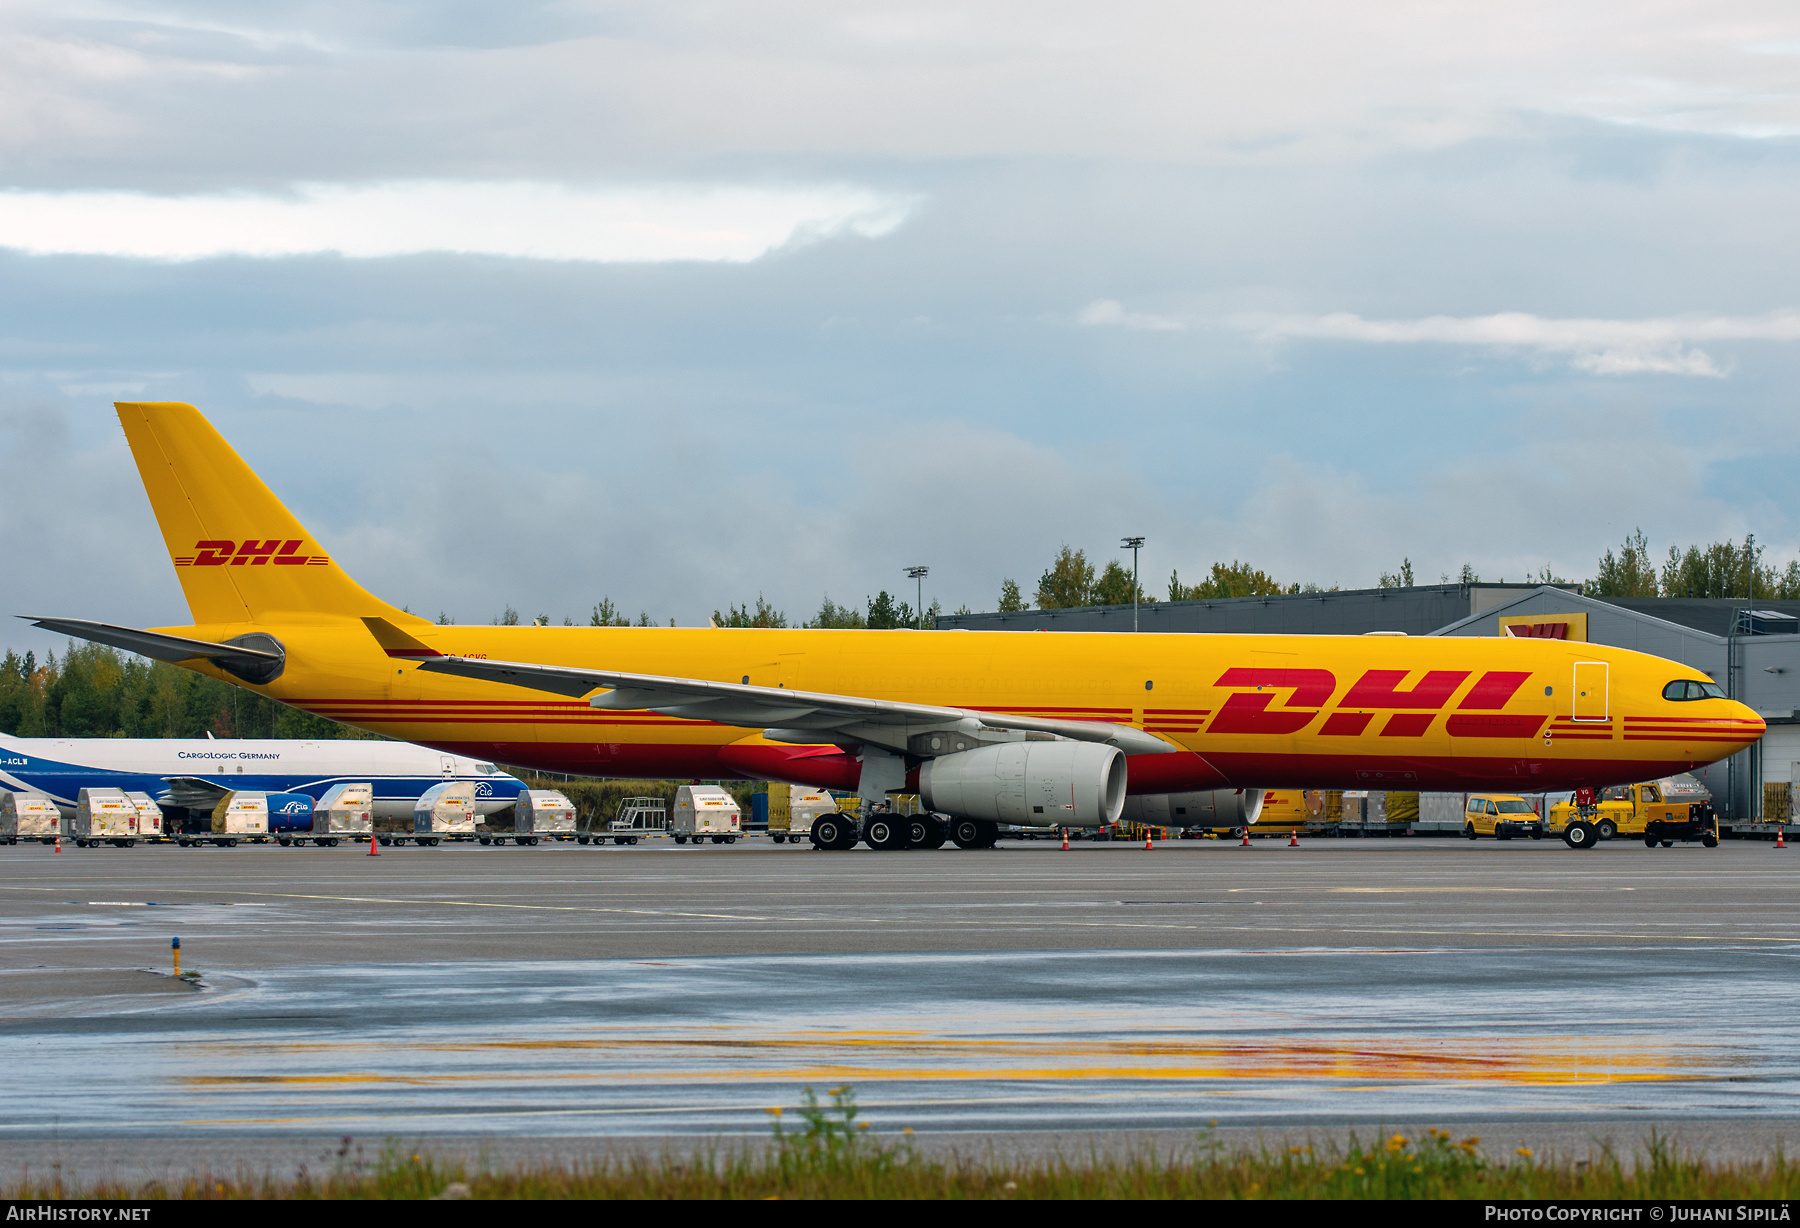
pixel 1034 784
pixel 1210 808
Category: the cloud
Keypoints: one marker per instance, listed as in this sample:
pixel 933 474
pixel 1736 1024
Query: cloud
pixel 1602 347
pixel 1661 346
pixel 1106 311
pixel 533 220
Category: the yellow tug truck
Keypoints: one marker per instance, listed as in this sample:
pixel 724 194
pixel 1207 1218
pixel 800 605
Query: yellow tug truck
pixel 1659 812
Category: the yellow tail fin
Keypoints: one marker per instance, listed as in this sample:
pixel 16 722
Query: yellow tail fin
pixel 240 555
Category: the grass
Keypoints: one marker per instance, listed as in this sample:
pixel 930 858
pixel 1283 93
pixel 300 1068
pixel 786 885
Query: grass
pixel 828 1153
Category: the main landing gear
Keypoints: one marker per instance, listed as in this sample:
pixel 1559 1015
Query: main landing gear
pixel 885 830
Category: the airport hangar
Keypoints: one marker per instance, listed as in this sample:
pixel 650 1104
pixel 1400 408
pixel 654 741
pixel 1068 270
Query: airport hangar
pixel 1750 647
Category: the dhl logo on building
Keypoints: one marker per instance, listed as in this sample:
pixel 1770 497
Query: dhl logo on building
pixel 251 552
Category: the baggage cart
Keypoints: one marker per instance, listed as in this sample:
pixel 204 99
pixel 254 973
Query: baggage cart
pixel 705 812
pixel 539 814
pixel 104 816
pixel 28 816
pixel 636 817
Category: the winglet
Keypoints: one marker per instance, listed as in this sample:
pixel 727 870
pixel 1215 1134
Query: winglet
pixel 395 642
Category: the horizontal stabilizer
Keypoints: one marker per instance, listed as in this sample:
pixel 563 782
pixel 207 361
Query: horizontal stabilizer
pixel 254 658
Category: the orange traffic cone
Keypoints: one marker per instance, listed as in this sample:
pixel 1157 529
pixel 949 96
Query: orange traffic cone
pixel 1149 840
pixel 59 842
pixel 372 849
pixel 1246 843
pixel 1294 838
pixel 1780 842
pixel 1065 839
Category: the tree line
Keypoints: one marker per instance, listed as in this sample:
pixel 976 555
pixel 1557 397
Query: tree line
pixel 93 691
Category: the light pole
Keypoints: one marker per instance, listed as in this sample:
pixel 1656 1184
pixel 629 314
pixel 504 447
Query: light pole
pixel 1134 544
pixel 919 574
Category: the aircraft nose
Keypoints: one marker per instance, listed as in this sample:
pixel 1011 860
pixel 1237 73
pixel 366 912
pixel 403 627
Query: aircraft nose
pixel 1753 726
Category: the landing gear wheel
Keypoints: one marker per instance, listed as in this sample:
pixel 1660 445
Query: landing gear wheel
pixel 1579 835
pixel 924 832
pixel 833 832
pixel 1606 829
pixel 967 834
pixel 885 830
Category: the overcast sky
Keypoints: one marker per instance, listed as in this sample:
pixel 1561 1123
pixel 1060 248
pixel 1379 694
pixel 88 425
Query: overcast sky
pixel 535 304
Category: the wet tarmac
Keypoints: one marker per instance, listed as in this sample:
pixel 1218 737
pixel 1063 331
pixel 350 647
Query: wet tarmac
pixel 653 993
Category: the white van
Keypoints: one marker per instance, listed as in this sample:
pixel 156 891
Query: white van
pixel 705 812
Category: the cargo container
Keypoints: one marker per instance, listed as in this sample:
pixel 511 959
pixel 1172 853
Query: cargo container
pixel 804 804
pixel 104 816
pixel 705 812
pixel 538 814
pixel 30 816
pixel 150 817
pixel 345 810
pixel 255 816
pixel 445 811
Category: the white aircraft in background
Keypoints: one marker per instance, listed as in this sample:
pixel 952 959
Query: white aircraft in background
pixel 195 773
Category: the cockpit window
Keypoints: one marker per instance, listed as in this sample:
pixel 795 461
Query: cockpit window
pixel 484 769
pixel 1687 688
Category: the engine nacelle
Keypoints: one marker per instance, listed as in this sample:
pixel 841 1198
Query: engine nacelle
pixel 1033 784
pixel 1211 808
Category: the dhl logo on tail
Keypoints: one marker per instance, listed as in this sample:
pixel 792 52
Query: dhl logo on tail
pixel 252 551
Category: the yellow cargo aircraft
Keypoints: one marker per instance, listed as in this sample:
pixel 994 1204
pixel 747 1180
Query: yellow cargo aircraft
pixel 987 727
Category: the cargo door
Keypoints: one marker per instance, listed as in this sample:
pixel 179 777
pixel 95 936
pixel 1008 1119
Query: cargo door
pixel 1589 695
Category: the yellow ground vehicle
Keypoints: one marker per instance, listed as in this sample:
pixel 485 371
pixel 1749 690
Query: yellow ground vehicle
pixel 1284 811
pixel 1657 811
pixel 1500 815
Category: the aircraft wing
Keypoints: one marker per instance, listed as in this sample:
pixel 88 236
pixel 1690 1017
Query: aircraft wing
pixel 801 717
pixel 192 793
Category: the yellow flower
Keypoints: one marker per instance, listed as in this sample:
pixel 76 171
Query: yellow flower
pixel 1525 1151
pixel 1397 1143
pixel 774 1112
